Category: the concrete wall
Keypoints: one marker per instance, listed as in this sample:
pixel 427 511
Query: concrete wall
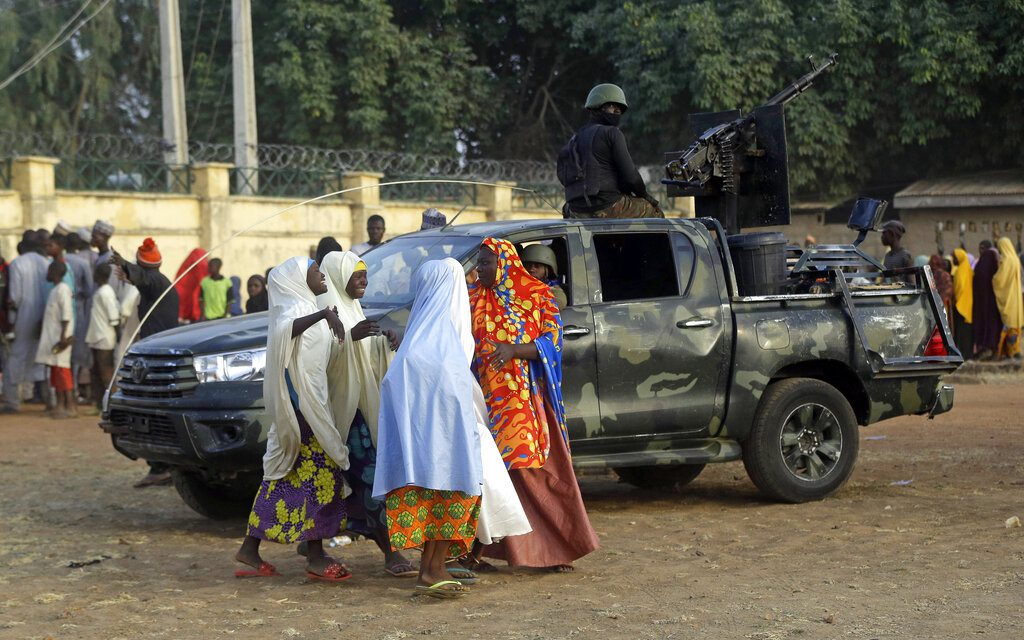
pixel 275 228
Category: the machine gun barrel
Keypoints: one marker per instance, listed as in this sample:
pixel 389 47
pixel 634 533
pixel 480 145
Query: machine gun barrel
pixel 803 83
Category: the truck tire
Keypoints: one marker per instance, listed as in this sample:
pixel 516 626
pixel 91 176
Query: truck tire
pixel 804 441
pixel 217 501
pixel 662 477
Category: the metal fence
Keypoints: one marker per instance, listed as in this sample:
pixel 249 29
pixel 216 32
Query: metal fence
pixel 90 174
pixel 446 192
pixel 137 163
pixel 286 181
pixel 541 196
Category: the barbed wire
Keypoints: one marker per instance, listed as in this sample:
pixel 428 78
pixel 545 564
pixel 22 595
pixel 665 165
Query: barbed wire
pixel 393 164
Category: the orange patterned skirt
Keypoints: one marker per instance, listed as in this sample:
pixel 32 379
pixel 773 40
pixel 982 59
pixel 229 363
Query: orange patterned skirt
pixel 416 515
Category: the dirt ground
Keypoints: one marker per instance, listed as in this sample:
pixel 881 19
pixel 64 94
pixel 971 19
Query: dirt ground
pixel 931 558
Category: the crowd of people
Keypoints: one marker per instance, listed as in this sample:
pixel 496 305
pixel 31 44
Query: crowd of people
pixel 70 300
pixel 452 442
pixel 983 295
pixel 58 317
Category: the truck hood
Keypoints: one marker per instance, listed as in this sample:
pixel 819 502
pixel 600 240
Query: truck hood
pixel 232 334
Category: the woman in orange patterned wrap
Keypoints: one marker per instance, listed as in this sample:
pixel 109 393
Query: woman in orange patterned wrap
pixel 518 361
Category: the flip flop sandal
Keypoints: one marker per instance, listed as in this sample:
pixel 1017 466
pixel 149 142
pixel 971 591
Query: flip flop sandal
pixel 333 573
pixel 481 566
pixel 462 574
pixel 402 570
pixel 265 570
pixel 445 590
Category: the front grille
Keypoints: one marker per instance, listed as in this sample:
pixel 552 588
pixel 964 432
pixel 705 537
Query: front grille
pixel 146 427
pixel 156 376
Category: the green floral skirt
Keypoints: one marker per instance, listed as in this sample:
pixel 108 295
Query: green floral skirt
pixel 416 515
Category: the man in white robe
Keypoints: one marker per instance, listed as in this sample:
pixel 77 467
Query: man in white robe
pixel 27 285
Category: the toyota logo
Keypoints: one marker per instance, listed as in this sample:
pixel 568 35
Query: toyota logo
pixel 138 371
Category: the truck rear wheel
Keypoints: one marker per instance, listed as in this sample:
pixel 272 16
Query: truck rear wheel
pixel 804 441
pixel 216 500
pixel 660 476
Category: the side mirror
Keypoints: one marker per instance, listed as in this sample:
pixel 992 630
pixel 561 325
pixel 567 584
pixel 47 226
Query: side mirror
pixel 866 214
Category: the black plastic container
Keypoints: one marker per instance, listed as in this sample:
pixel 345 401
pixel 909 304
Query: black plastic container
pixel 759 260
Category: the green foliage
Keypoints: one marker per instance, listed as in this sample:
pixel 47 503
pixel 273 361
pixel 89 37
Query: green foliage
pixel 102 79
pixel 922 87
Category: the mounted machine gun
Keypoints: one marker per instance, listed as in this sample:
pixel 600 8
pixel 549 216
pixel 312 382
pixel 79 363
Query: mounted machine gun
pixel 737 168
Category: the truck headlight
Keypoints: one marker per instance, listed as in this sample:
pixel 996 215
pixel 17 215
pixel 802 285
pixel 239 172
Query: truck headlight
pixel 237 366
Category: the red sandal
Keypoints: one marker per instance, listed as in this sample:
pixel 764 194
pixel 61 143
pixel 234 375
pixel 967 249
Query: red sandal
pixel 333 573
pixel 265 570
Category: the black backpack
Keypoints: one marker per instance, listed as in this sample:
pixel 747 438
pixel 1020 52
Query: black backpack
pixel 574 160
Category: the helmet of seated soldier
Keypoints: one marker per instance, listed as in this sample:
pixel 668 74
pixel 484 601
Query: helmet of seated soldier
pixel 602 94
pixel 541 254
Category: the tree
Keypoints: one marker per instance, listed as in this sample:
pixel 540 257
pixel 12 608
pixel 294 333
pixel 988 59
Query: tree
pixel 923 87
pixel 102 79
pixel 913 79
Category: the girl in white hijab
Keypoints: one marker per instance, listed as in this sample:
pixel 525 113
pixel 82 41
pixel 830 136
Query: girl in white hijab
pixel 303 490
pixel 354 372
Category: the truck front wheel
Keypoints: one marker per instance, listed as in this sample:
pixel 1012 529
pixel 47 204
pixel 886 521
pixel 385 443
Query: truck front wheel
pixel 222 500
pixel 660 476
pixel 804 441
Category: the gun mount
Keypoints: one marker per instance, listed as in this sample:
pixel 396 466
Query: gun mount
pixel 737 168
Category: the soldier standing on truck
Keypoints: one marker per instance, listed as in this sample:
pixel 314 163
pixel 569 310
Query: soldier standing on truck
pixel 596 169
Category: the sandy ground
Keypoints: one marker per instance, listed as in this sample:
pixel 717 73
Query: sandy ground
pixel 928 559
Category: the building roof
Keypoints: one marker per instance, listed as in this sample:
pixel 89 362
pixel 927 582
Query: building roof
pixel 989 189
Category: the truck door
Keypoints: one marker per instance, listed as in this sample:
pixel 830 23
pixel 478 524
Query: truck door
pixel 579 355
pixel 661 344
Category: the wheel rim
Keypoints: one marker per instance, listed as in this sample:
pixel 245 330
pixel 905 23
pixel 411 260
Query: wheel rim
pixel 811 442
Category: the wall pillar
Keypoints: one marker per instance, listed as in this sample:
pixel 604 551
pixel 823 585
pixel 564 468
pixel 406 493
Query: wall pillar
pixel 365 201
pixel 33 177
pixel 211 181
pixel 497 199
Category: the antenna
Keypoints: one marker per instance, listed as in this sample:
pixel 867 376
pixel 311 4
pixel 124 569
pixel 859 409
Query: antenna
pixel 452 221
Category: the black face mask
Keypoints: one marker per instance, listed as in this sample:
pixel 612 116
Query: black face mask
pixel 603 117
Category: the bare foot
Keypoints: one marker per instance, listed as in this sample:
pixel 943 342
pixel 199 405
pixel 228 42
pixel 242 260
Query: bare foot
pixel 250 557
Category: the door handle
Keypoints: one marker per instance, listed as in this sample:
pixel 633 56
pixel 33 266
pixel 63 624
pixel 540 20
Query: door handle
pixel 695 323
pixel 574 331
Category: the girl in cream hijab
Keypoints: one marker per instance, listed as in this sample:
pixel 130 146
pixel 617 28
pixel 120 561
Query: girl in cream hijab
pixel 355 370
pixel 303 490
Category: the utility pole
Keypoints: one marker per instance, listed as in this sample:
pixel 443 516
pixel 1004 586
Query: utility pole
pixel 244 93
pixel 173 81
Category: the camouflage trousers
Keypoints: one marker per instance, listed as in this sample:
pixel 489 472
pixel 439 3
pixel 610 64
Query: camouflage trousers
pixel 625 207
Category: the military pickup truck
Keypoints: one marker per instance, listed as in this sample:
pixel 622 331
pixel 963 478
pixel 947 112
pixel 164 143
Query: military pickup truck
pixel 669 364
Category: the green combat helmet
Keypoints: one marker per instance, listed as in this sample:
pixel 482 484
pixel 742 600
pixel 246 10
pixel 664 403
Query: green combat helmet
pixel 605 93
pixel 542 254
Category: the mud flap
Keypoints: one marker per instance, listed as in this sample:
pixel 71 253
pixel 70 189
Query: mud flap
pixel 943 401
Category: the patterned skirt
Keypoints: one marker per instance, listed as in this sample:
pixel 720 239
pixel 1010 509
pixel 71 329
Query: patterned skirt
pixel 306 504
pixel 416 515
pixel 365 514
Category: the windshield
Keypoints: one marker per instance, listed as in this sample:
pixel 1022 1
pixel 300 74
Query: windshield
pixel 389 267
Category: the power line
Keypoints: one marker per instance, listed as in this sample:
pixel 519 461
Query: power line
pixel 42 9
pixel 55 42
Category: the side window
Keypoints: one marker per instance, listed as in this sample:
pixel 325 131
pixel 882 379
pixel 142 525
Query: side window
pixel 636 266
pixel 560 248
pixel 685 259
